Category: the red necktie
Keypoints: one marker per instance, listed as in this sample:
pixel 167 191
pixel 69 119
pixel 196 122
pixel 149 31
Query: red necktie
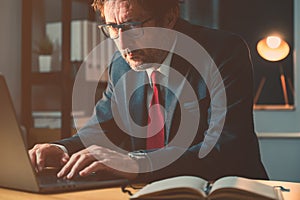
pixel 155 132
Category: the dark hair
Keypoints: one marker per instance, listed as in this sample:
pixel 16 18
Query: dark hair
pixel 157 8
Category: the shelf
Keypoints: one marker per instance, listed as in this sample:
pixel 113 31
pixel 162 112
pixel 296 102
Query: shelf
pixel 46 78
pixel 45 91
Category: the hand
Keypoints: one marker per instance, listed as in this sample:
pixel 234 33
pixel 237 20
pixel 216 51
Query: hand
pixel 84 163
pixel 47 155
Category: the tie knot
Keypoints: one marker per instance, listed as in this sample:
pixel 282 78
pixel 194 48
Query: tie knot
pixel 154 77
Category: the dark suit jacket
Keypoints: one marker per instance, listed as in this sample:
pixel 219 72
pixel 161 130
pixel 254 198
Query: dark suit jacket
pixel 236 151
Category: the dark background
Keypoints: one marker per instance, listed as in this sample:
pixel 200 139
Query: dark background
pixel 253 20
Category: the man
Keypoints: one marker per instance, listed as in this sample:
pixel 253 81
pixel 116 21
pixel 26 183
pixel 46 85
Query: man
pixel 228 138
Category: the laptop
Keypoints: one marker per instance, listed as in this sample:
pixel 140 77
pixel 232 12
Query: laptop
pixel 16 171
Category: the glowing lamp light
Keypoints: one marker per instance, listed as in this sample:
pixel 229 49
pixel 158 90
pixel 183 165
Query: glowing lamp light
pixel 273 42
pixel 273 48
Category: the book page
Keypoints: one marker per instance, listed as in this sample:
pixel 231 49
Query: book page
pixel 192 187
pixel 243 187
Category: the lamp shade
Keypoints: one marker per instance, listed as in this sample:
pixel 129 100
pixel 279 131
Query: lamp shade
pixel 273 48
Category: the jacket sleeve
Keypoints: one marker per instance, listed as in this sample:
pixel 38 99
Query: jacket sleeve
pixel 98 125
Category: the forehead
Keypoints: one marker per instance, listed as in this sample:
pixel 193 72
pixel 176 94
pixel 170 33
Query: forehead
pixel 122 9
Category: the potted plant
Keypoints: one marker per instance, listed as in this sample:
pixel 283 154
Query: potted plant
pixel 45 51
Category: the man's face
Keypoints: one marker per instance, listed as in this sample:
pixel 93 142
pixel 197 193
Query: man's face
pixel 132 49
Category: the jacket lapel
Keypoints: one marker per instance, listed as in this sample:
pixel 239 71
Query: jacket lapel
pixel 177 82
pixel 138 112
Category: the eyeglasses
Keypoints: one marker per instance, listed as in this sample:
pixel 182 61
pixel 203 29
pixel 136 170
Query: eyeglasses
pixel 112 30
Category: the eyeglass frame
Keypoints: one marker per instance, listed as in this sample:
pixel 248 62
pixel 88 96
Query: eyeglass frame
pixel 133 25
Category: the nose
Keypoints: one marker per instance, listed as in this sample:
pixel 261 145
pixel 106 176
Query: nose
pixel 124 40
pixel 121 40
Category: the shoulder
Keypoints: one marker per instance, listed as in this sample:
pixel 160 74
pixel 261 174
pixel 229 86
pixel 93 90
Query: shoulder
pixel 216 42
pixel 205 35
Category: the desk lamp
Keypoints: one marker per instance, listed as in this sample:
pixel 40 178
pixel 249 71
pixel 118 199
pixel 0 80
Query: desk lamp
pixel 273 49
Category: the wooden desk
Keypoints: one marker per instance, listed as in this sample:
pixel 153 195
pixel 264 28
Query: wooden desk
pixel 116 193
pixel 294 188
pixel 105 194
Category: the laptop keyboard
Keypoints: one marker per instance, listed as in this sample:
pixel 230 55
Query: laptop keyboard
pixel 47 177
pixel 52 179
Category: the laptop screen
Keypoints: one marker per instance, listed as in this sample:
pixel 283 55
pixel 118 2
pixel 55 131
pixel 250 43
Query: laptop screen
pixel 15 168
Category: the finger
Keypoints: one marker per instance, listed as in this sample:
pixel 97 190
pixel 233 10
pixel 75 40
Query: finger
pixel 64 159
pixel 40 159
pixel 94 167
pixel 69 163
pixel 68 166
pixel 81 163
pixel 32 157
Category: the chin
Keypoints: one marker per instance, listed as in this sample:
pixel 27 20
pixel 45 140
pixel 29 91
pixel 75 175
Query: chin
pixel 141 67
pixel 137 68
pixel 138 65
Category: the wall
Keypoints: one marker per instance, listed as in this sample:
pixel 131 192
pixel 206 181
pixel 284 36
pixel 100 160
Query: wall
pixel 281 158
pixel 279 131
pixel 205 13
pixel 10 47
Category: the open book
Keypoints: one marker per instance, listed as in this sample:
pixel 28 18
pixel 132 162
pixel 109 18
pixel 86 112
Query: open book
pixel 192 188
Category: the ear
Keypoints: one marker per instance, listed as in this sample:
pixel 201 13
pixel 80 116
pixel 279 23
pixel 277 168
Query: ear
pixel 171 18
